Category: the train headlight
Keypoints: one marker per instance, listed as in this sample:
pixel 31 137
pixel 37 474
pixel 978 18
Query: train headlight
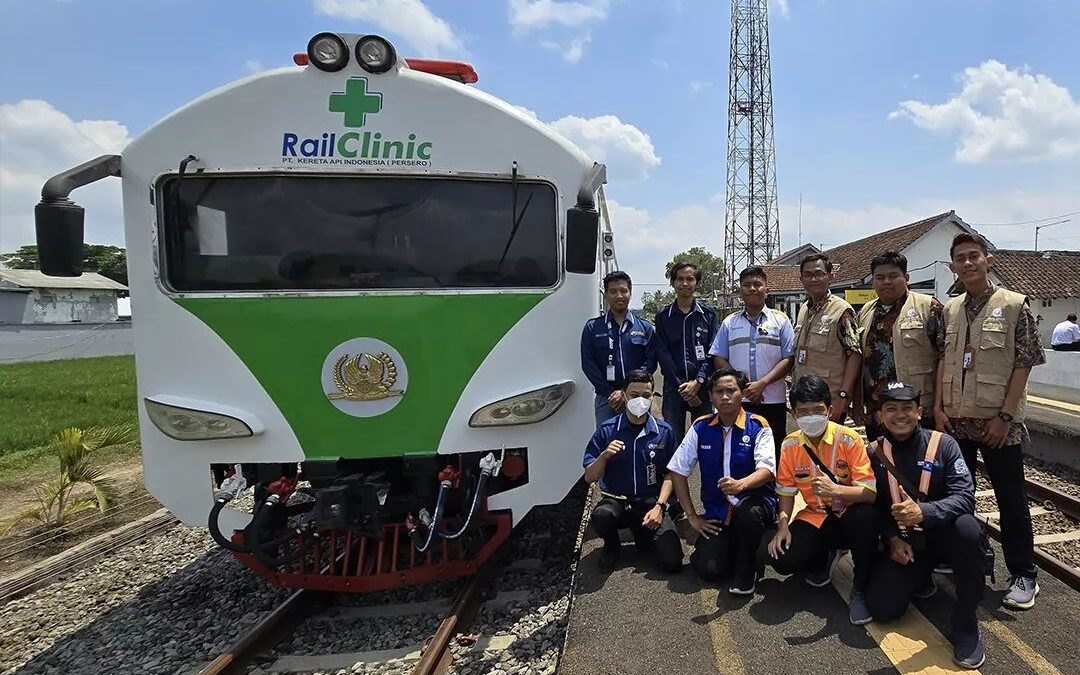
pixel 528 408
pixel 184 423
pixel 375 54
pixel 328 52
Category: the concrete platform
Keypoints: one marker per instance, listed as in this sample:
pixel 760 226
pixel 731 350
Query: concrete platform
pixel 637 620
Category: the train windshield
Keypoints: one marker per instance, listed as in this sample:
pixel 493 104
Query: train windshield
pixel 277 232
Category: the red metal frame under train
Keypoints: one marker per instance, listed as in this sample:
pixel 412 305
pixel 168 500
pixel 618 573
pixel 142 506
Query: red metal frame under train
pixel 356 564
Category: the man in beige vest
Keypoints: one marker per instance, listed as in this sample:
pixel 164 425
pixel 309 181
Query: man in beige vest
pixel 827 337
pixel 900 330
pixel 990 344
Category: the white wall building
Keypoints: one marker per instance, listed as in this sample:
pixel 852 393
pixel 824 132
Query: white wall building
pixel 30 297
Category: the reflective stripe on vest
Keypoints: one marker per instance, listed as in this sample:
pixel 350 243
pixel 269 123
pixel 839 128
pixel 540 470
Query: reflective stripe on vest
pixel 926 468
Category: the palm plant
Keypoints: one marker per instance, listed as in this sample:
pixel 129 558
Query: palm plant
pixel 59 499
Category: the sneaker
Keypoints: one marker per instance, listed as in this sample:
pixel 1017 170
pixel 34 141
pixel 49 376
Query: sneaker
pixel 1022 592
pixel 858 612
pixel 942 568
pixel 743 584
pixel 968 649
pixel 608 559
pixel 823 577
pixel 927 590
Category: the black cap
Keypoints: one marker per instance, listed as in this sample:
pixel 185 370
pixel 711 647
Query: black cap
pixel 898 391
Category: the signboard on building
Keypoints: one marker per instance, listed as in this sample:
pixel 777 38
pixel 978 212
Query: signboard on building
pixel 859 296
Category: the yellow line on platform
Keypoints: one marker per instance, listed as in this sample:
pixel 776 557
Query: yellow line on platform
pixel 911 643
pixel 1051 403
pixel 1023 650
pixel 728 660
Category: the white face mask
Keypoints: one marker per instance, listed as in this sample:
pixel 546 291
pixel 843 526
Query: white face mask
pixel 638 406
pixel 813 425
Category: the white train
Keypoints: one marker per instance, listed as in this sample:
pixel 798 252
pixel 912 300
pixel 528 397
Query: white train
pixel 361 275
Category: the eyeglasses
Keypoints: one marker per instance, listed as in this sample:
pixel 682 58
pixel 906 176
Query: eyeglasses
pixel 816 276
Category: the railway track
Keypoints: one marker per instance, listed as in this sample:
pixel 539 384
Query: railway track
pixel 1060 510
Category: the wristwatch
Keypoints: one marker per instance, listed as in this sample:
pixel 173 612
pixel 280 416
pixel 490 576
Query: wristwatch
pixel 843 395
pixel 701 380
pixel 664 506
pixel 1004 416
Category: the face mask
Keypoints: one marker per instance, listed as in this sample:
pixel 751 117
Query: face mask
pixel 638 406
pixel 813 425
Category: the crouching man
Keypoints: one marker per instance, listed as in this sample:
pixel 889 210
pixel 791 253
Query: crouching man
pixel 738 463
pixel 627 456
pixel 927 500
pixel 827 463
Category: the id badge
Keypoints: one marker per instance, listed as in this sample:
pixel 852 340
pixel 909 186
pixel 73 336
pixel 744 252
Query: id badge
pixel 967 359
pixel 611 373
pixel 801 358
pixel 699 352
pixel 650 474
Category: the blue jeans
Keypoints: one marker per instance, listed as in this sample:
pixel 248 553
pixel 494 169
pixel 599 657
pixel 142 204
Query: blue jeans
pixel 675 409
pixel 603 409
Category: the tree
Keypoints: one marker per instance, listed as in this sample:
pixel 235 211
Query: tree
pixel 75 448
pixel 652 303
pixel 108 261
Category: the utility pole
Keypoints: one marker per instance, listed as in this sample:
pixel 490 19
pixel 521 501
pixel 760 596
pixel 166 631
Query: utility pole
pixel 752 219
pixel 1039 227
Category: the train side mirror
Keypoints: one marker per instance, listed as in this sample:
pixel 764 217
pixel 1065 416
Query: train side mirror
pixel 59 226
pixel 582 234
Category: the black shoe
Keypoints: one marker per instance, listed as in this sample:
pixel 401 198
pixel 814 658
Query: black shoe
pixel 608 559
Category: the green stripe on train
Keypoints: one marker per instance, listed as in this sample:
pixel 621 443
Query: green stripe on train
pixel 442 338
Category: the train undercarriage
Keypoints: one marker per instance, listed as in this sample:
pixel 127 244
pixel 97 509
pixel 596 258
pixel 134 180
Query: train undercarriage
pixel 367 525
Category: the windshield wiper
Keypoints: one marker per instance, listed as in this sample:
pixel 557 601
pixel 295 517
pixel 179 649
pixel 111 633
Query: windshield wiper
pixel 515 218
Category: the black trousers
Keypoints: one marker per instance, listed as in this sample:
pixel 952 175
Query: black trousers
pixel 611 515
pixel 1072 347
pixel 776 415
pixel 855 529
pixel 892 585
pixel 674 409
pixel 733 550
pixel 1006 468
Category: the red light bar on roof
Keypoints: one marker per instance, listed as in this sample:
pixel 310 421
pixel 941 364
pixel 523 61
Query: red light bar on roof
pixel 455 70
pixel 300 58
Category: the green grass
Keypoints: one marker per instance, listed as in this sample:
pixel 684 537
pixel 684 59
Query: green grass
pixel 40 398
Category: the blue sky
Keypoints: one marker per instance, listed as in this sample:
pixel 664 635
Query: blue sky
pixel 991 127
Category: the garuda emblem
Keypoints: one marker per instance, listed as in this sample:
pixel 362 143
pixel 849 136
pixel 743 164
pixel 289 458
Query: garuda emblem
pixel 365 377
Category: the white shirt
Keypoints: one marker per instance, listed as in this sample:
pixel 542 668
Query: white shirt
pixel 755 347
pixel 684 459
pixel 1065 333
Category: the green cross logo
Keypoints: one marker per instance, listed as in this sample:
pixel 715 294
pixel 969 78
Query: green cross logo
pixel 355 102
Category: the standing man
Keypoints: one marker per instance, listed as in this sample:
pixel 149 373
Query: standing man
pixel 1066 336
pixel 613 344
pixel 827 341
pixel 684 331
pixel 735 451
pixel 827 463
pixel 761 343
pixel 990 344
pixel 900 333
pixel 627 456
pixel 927 514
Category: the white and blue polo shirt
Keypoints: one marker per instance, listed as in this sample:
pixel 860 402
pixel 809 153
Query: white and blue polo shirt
pixel 756 346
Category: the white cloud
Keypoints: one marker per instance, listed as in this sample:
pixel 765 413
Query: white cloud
pixel 254 66
pixel 425 32
pixel 529 15
pixel 699 85
pixel 528 111
pixel 553 18
pixel 785 9
pixel 627 150
pixel 1003 114
pixel 571 51
pixel 40 141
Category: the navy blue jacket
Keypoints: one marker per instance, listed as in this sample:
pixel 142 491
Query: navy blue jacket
pixel 627 474
pixel 677 334
pixel 603 344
